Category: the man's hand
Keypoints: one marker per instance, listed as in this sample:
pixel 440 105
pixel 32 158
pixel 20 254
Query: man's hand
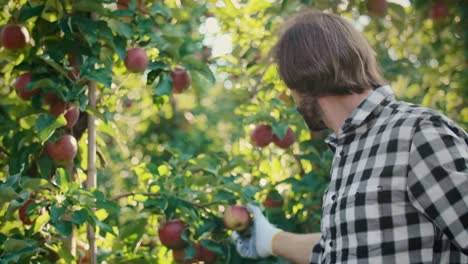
pixel 259 244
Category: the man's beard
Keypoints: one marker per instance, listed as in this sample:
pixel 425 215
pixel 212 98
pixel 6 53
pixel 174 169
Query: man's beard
pixel 312 114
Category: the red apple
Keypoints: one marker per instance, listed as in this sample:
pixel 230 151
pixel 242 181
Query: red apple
pixel 123 4
pixel 180 80
pixel 50 98
pixel 58 107
pixel 14 37
pixel 179 255
pixel 377 8
pixel 76 72
pixel 286 141
pixel 262 135
pixel 236 218
pixel 207 256
pixel 269 202
pixel 20 86
pixel 439 11
pixel 170 234
pixel 72 115
pixel 23 215
pixel 136 60
pixel 63 151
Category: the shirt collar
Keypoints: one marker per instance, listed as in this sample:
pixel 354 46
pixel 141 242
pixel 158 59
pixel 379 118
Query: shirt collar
pixel 362 112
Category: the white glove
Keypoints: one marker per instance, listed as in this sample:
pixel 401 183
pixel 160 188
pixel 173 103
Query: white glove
pixel 260 242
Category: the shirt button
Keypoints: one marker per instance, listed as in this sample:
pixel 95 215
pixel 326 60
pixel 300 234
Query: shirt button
pixel 342 154
pixel 333 197
pixel 331 243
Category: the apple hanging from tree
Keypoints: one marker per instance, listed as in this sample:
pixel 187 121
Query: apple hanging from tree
pixel 180 80
pixel 63 151
pixel 136 60
pixel 170 234
pixel 76 71
pixel 237 218
pixel 123 4
pixel 377 8
pixel 14 37
pixel 207 256
pixel 439 11
pixel 262 135
pixel 286 141
pixel 23 213
pixel 72 114
pixel 179 255
pixel 273 200
pixel 20 86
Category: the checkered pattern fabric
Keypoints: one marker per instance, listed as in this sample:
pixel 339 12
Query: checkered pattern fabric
pixel 399 187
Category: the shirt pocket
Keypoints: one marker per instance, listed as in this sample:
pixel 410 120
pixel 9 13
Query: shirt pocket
pixel 358 222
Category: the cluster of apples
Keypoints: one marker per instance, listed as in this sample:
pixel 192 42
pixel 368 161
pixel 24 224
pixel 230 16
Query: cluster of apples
pixel 170 234
pixel 64 149
pixel 263 135
pixel 438 11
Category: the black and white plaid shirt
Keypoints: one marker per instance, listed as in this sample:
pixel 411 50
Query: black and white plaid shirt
pixel 399 187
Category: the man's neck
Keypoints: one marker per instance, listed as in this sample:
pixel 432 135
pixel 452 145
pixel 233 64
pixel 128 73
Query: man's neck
pixel 336 109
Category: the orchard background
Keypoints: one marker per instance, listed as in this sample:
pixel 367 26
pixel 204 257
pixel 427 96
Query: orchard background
pixel 175 146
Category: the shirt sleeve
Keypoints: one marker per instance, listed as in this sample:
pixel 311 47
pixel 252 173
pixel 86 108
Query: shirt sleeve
pixel 315 257
pixel 438 178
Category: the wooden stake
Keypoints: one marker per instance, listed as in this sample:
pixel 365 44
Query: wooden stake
pixel 91 179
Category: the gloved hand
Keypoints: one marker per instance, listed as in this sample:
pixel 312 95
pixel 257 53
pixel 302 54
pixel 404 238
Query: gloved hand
pixel 259 243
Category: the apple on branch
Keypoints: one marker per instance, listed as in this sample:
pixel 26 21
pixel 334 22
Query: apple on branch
pixel 63 151
pixel 14 37
pixel 439 11
pixel 377 8
pixel 136 60
pixel 170 234
pixel 237 218
pixel 286 141
pixel 207 256
pixel 20 86
pixel 179 255
pixel 180 80
pixel 262 135
pixel 23 213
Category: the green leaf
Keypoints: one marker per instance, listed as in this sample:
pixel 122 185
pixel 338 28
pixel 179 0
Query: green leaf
pixel 224 195
pixel 46 125
pixel 64 227
pixel 205 228
pixel 45 166
pixel 110 207
pixel 79 217
pixel 280 129
pixel 213 246
pixel 28 12
pixel 34 184
pixel 56 212
pixel 12 245
pixel 90 6
pixel 161 10
pixel 191 62
pixel 7 194
pixel 103 76
pixel 164 86
pixel 122 28
pixel 62 179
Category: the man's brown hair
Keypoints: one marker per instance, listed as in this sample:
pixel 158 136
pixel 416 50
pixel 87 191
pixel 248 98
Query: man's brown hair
pixel 323 54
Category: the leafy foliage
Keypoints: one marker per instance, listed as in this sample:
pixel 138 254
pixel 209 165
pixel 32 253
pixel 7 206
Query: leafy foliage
pixel 162 155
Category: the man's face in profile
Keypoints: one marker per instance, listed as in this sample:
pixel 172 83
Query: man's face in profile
pixel 310 110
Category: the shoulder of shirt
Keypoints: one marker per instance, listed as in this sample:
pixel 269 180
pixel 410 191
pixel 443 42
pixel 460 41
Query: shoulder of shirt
pixel 414 115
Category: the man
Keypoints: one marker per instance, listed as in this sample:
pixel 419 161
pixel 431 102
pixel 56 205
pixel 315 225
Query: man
pixel 399 180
